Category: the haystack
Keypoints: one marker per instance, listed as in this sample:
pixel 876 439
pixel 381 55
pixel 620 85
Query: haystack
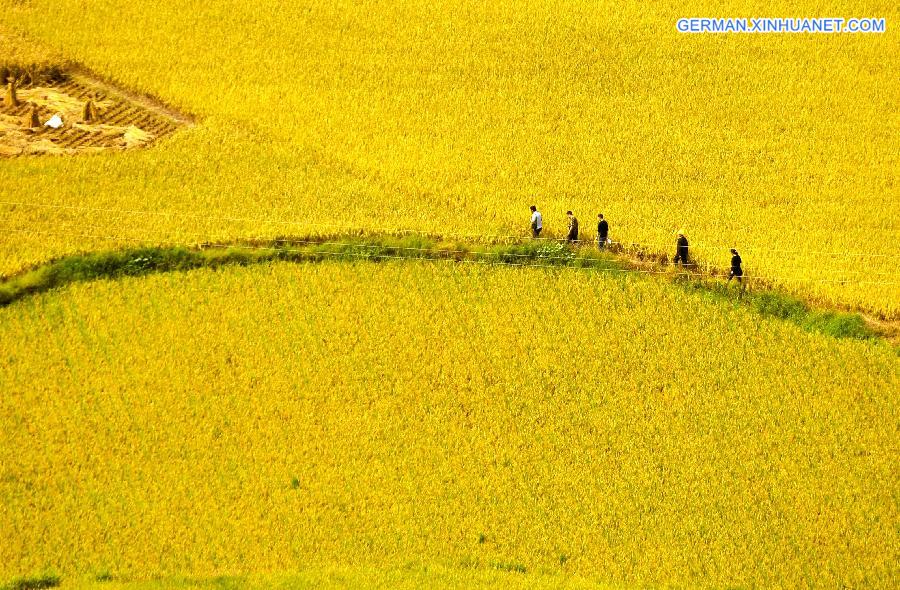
pixel 11 99
pixel 32 120
pixel 90 114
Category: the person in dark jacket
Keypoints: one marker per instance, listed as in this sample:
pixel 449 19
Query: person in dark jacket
pixel 736 271
pixel 572 236
pixel 602 231
pixel 681 250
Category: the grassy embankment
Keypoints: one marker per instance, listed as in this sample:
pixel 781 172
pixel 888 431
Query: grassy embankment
pixel 765 300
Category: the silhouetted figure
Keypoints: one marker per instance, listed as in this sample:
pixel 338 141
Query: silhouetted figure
pixel 681 250
pixel 572 236
pixel 602 231
pixel 736 271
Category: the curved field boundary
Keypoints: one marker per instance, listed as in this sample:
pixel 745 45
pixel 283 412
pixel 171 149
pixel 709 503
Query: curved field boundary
pixel 145 260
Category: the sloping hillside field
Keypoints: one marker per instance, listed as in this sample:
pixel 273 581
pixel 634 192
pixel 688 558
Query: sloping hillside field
pixel 279 417
pixel 453 117
pixel 299 334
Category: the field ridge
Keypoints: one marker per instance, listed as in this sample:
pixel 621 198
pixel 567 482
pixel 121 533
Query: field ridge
pixel 756 293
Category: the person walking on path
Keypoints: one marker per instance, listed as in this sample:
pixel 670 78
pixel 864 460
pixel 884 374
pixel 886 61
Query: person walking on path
pixel 602 231
pixel 537 222
pixel 736 271
pixel 572 236
pixel 681 249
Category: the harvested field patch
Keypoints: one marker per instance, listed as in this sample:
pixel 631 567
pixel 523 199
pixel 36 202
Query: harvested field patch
pixel 94 116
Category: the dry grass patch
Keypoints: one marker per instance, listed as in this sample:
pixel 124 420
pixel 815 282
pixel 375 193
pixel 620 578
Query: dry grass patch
pixel 94 115
pixel 38 85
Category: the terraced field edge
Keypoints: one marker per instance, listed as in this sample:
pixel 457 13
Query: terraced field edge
pixel 766 301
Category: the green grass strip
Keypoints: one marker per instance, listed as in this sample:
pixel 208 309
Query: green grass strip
pixel 145 260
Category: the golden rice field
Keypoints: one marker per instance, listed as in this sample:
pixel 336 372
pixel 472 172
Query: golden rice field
pixel 409 577
pixel 20 50
pixel 452 117
pixel 417 424
pixel 404 415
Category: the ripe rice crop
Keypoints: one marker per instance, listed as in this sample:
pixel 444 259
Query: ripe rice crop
pixel 453 117
pixel 282 417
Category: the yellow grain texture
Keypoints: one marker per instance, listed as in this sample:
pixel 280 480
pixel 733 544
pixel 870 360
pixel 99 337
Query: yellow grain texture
pixel 282 417
pixel 454 116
